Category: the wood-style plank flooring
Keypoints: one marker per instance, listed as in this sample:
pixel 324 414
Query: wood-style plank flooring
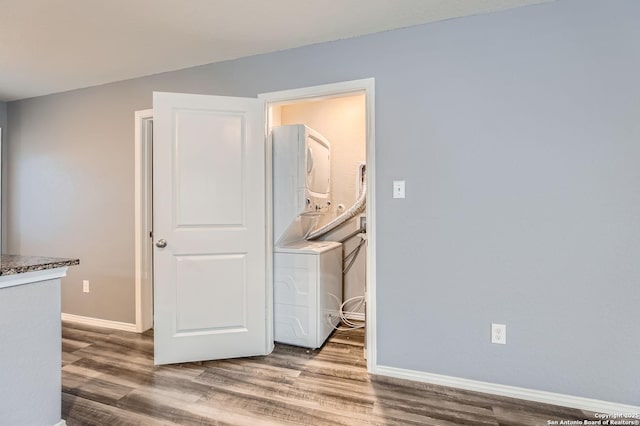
pixel 108 378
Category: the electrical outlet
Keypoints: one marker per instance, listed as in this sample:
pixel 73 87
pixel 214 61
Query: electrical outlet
pixel 85 286
pixel 499 334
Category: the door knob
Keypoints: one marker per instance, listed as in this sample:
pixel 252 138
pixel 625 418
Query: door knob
pixel 161 243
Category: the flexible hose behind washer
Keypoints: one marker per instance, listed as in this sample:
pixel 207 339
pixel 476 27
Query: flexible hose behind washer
pixel 357 208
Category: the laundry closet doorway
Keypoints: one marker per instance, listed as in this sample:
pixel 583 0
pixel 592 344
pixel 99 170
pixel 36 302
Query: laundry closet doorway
pixel 280 108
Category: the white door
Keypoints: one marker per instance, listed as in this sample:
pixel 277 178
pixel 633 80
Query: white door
pixel 209 209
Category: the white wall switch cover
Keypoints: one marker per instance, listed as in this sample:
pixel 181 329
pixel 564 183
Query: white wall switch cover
pixel 398 189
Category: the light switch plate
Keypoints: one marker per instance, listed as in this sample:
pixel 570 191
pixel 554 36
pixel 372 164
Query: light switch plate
pixel 398 189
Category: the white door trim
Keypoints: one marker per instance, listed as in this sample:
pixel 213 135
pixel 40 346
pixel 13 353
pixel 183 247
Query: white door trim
pixel 142 203
pixel 328 91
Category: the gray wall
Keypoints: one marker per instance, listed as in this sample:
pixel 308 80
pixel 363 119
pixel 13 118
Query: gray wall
pixel 3 115
pixel 517 133
pixel 3 126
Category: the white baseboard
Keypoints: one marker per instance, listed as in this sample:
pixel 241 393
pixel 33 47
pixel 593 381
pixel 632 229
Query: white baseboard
pixel 509 391
pixel 98 322
pixel 61 423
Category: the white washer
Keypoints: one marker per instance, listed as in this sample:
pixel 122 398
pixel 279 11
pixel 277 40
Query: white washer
pixel 307 292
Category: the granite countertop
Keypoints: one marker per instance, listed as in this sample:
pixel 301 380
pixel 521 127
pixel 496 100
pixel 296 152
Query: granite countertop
pixel 14 264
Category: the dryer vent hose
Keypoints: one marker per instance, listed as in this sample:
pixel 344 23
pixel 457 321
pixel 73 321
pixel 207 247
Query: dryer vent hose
pixel 357 208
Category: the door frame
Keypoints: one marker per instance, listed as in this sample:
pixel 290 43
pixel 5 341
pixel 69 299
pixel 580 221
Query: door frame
pixel 143 204
pixel 320 92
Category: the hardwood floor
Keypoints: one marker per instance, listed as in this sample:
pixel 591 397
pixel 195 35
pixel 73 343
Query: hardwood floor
pixel 108 378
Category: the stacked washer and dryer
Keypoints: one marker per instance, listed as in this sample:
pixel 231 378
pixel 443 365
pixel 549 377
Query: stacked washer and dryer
pixel 307 274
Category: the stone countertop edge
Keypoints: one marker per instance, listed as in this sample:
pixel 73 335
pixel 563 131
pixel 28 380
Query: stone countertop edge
pixel 15 264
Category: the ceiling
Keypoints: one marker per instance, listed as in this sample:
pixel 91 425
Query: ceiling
pixel 49 46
